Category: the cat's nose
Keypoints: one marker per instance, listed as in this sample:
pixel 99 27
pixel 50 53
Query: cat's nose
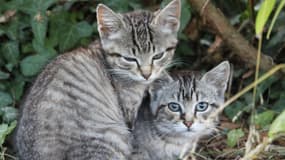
pixel 146 72
pixel 188 124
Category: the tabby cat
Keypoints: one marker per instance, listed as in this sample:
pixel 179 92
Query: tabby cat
pixel 178 114
pixel 79 106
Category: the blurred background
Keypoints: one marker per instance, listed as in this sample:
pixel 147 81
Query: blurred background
pixel 33 32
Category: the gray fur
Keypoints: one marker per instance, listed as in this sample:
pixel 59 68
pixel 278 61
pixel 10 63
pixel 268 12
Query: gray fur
pixel 79 106
pixel 160 133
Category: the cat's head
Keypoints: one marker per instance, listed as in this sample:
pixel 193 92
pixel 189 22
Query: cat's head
pixel 140 44
pixel 182 106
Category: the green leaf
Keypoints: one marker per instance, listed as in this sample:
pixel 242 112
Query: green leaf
pixel 32 65
pixel 68 38
pixel 5 130
pixel 12 29
pixel 42 49
pixel 10 52
pixel 1 32
pixel 17 87
pixel 4 75
pixel 264 118
pixel 3 133
pixel 72 33
pixel 277 127
pixel 84 29
pixel 279 105
pixel 262 15
pixel 266 84
pixel 9 114
pixel 277 12
pixel 117 5
pixel 5 99
pixel 185 14
pixel 232 110
pixel 234 136
pixel 39 27
pixel 33 6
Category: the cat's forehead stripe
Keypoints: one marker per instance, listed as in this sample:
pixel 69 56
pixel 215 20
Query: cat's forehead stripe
pixel 141 31
pixel 186 88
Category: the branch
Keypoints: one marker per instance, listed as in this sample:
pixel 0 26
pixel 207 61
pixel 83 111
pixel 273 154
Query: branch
pixel 215 19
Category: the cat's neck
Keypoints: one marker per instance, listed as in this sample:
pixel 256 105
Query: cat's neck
pixel 162 147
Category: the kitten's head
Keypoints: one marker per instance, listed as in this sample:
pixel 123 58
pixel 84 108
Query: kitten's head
pixel 140 44
pixel 182 106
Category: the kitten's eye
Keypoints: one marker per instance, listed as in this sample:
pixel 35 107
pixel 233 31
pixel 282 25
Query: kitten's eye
pixel 174 107
pixel 158 56
pixel 201 106
pixel 130 59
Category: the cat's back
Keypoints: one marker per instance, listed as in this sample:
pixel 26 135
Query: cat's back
pixel 69 102
pixel 78 74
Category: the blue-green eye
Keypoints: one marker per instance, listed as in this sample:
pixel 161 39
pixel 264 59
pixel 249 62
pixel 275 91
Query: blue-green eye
pixel 158 56
pixel 174 107
pixel 201 106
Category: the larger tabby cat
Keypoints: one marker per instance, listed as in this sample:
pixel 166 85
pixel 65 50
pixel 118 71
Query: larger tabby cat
pixel 179 114
pixel 79 105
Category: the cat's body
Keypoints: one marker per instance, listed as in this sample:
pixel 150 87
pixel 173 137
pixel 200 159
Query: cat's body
pixel 80 106
pixel 172 121
pixel 57 123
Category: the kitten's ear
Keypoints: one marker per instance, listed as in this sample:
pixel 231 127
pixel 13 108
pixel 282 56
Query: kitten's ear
pixel 219 77
pixel 168 19
pixel 109 23
pixel 161 82
pixel 158 89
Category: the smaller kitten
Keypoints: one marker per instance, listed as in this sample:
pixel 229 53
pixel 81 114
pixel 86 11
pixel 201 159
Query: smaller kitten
pixel 178 114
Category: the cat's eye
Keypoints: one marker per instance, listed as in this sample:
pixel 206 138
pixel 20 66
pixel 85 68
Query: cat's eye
pixel 201 106
pixel 158 56
pixel 130 59
pixel 115 54
pixel 174 107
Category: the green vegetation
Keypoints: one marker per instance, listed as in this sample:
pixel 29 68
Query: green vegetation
pixel 33 32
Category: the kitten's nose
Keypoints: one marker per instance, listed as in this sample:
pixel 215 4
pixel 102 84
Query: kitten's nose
pixel 188 124
pixel 146 75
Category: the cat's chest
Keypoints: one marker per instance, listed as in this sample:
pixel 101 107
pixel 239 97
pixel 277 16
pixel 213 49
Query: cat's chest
pixel 130 98
pixel 169 151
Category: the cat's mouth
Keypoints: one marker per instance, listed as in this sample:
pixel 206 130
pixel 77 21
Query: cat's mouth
pixel 146 81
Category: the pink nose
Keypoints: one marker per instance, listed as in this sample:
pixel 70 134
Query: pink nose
pixel 188 124
pixel 146 75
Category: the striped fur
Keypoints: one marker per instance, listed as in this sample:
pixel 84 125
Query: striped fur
pixel 132 41
pixel 79 106
pixel 161 133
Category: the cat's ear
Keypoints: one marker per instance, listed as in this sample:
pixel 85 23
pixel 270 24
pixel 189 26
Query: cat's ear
pixel 161 82
pixel 160 90
pixel 109 23
pixel 168 19
pixel 219 77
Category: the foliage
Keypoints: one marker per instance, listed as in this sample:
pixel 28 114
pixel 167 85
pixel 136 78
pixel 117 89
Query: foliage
pixel 263 14
pixel 277 126
pixel 234 136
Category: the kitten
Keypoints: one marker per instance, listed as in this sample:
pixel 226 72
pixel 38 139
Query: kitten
pixel 79 105
pixel 178 114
